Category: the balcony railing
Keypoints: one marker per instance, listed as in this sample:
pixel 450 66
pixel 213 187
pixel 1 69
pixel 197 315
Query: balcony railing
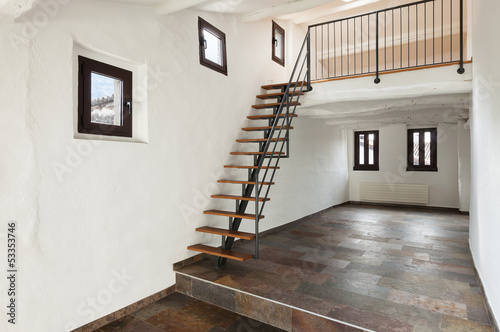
pixel 423 33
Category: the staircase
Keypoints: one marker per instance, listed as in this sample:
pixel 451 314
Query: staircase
pixel 274 145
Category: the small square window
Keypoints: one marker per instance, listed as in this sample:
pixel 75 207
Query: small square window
pixel 212 47
pixel 104 99
pixel 366 151
pixel 422 150
pixel 278 44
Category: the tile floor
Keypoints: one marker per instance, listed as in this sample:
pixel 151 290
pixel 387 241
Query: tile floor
pixel 384 269
pixel 179 312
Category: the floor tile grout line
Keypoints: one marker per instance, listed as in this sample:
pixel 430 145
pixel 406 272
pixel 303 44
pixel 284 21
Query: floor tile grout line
pixel 279 303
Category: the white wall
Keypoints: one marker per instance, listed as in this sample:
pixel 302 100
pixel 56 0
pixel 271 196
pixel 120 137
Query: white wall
pixel 485 123
pixel 104 233
pixel 443 185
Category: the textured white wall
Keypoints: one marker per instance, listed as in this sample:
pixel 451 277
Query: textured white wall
pixel 485 123
pixel 443 185
pixel 104 232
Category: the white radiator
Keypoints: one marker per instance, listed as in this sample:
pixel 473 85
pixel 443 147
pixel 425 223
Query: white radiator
pixel 394 192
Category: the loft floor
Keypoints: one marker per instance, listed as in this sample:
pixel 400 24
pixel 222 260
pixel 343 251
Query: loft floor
pixel 378 268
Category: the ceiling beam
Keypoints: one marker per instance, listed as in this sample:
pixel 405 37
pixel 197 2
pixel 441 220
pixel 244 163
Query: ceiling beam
pixel 172 6
pixel 289 7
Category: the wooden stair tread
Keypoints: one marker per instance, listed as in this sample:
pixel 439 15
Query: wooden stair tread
pixel 263 128
pixel 226 232
pixel 232 214
pixel 239 256
pixel 249 167
pixel 240 198
pixel 258 140
pixel 277 95
pixel 254 153
pixel 281 85
pixel 244 182
pixel 269 116
pixel 271 105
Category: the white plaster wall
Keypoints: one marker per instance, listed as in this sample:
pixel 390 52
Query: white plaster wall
pixel 443 185
pixel 101 222
pixel 464 162
pixel 485 123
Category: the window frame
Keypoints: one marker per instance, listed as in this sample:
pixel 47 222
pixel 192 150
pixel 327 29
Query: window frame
pixel 86 67
pixel 274 57
pixel 422 167
pixel 366 167
pixel 204 25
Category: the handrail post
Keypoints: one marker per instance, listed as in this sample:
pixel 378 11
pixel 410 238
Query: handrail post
pixel 309 87
pixel 257 217
pixel 461 70
pixel 377 78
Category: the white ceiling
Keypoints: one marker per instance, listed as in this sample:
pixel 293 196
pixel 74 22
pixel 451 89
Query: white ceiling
pixel 299 11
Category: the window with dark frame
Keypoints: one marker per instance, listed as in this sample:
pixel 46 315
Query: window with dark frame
pixel 422 150
pixel 212 47
pixel 104 99
pixel 366 150
pixel 278 44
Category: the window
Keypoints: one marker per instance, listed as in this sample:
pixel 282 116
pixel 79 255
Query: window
pixel 278 44
pixel 366 150
pixel 212 47
pixel 422 150
pixel 104 99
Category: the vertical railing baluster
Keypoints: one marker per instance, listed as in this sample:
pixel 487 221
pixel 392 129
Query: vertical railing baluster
pixel 461 70
pixel 377 79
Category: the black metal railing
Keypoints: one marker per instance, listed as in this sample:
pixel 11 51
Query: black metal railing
pixel 276 147
pixel 423 33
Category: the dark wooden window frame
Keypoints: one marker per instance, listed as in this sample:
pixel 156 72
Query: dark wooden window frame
pixel 422 167
pixel 274 57
pixel 366 167
pixel 85 125
pixel 204 25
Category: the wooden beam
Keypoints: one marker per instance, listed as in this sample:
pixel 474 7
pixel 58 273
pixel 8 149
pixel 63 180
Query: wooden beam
pixel 172 6
pixel 289 7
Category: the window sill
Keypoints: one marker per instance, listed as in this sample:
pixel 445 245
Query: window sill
pixel 427 169
pixel 365 169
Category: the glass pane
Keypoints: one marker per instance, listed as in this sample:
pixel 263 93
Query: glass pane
pixel 427 140
pixel 361 149
pixel 278 44
pixel 213 50
pixel 416 152
pixel 106 100
pixel 371 142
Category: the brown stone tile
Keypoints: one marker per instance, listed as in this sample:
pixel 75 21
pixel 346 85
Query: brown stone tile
pixel 307 234
pixel 183 284
pixel 210 314
pixel 301 264
pixel 370 259
pixel 173 320
pixel 122 324
pixel 373 321
pixel 454 324
pixel 440 306
pixel 443 267
pixel 245 324
pixel 358 287
pixel 175 301
pixel 416 255
pixel 451 285
pixel 435 292
pixel 264 311
pixel 214 294
pixel 325 260
pixel 305 322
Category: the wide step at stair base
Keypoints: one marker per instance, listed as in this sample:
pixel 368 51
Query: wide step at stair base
pixel 230 254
